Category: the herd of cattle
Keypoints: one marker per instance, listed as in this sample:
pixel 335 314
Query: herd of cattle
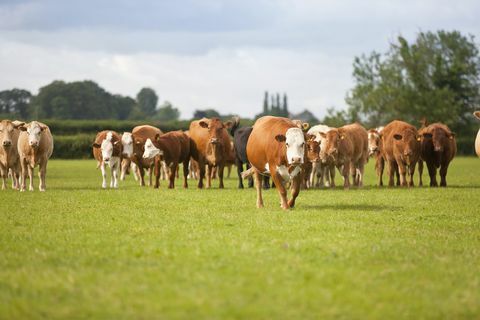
pixel 287 151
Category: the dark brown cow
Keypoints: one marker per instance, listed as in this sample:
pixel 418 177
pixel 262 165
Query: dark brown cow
pixel 175 147
pixel 347 147
pixel 401 150
pixel 438 147
pixel 276 146
pixel 213 145
pixel 107 149
pixel 140 134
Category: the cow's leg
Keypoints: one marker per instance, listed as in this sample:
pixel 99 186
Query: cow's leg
pixel 239 173
pixel 158 173
pixel 104 175
pixel 353 173
pixel 443 174
pixel 124 167
pixel 330 172
pixel 229 170
pixel 258 185
pixel 397 174
pixel 266 183
pixel 30 177
pixel 345 174
pixel 432 172
pixel 151 169
pixel 172 175
pixel 360 170
pixel 201 168
pixel 279 185
pixel 141 172
pixel 250 179
pixel 420 173
pixel 208 174
pixel 295 190
pixel 24 165
pixel 311 179
pixel 42 172
pixel 411 172
pixel 4 174
pixel 380 165
pixel 114 174
pixel 220 175
pixel 403 173
pixel 185 173
pixel 391 172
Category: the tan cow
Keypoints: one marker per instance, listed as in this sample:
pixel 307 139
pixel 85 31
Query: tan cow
pixel 35 147
pixel 401 150
pixel 323 171
pixel 276 146
pixel 213 145
pixel 9 160
pixel 107 150
pixel 140 134
pixel 375 147
pixel 347 147
pixel 477 140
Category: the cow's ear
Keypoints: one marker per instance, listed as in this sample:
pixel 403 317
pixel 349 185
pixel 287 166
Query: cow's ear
pixel 427 135
pixel 477 114
pixel 157 137
pixel 115 143
pixel 95 145
pixel 228 124
pixel 138 142
pixel 451 135
pixel 280 138
pixel 42 127
pixel 305 126
pixel 342 136
pixel 323 134
pixel 203 124
pixel 310 137
pixel 17 125
pixel 22 128
pixel 397 136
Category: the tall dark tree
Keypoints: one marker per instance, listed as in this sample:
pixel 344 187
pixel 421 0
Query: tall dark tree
pixel 15 103
pixel 147 101
pixel 265 103
pixel 207 113
pixel 285 105
pixel 436 77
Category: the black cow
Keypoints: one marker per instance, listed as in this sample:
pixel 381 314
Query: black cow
pixel 240 138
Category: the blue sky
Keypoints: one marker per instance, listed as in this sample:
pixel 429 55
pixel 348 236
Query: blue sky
pixel 212 54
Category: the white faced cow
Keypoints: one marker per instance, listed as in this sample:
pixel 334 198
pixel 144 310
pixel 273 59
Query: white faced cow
pixel 107 149
pixel 127 163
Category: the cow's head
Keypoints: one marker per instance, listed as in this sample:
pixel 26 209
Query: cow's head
pixel 215 127
pixel 7 129
pixel 374 138
pixel 331 144
pixel 407 141
pixel 151 151
pixel 295 144
pixel 313 148
pixel 127 143
pixel 34 131
pixel 439 137
pixel 106 146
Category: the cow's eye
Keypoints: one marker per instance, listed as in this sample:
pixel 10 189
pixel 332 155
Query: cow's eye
pixel 286 144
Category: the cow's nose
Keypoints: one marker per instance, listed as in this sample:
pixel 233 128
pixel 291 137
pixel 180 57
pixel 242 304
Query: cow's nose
pixel 34 143
pixel 106 159
pixel 7 143
pixel 296 160
pixel 213 140
pixel 408 153
pixel 438 148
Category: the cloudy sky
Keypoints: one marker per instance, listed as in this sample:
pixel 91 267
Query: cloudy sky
pixel 212 53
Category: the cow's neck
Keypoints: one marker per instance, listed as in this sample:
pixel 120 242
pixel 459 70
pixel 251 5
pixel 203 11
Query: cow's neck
pixel 214 153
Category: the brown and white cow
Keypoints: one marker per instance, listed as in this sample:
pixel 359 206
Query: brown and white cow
pixel 127 153
pixel 347 147
pixel 401 150
pixel 276 146
pixel 175 147
pixel 375 147
pixel 213 145
pixel 140 134
pixel 35 147
pixel 323 171
pixel 312 157
pixel 9 160
pixel 477 140
pixel 107 150
pixel 438 148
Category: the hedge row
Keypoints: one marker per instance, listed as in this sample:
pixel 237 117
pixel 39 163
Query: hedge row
pixel 77 146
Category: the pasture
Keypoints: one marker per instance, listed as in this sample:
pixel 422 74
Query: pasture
pixel 78 251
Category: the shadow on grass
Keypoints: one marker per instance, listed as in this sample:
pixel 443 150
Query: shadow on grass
pixel 352 207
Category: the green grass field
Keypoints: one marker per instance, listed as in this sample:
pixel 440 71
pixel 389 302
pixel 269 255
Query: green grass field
pixel 78 251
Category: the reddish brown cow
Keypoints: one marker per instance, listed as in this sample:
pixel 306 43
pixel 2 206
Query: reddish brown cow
pixel 213 145
pixel 175 147
pixel 438 147
pixel 401 150
pixel 374 150
pixel 140 134
pixel 347 147
pixel 276 146
pixel 312 156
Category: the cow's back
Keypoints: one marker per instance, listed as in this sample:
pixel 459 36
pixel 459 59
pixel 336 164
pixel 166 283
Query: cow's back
pixel 358 137
pixel 199 136
pixel 262 146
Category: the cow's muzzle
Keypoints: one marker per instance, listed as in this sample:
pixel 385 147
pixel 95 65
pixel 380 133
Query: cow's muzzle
pixel 7 143
pixel 296 160
pixel 214 141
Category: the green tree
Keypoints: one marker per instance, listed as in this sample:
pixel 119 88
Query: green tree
pixel 14 103
pixel 207 113
pixel 147 101
pixel 167 112
pixel 265 103
pixel 123 106
pixel 436 77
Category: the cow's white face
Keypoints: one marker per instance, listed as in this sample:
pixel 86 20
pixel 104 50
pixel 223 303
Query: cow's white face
pixel 127 142
pixel 107 147
pixel 150 150
pixel 295 143
pixel 34 131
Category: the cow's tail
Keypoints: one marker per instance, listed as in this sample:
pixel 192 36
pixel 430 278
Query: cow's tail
pixel 236 124
pixel 248 173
